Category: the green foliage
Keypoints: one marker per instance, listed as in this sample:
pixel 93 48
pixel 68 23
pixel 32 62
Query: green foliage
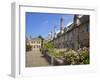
pixel 71 57
pixel 48 46
pixel 74 57
pixel 58 54
pixel 84 57
pixel 28 47
pixel 40 37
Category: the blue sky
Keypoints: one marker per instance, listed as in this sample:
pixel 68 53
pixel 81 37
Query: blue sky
pixel 42 23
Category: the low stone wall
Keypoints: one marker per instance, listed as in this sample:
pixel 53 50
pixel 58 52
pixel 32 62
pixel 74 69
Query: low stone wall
pixel 53 60
pixel 58 61
pixel 48 57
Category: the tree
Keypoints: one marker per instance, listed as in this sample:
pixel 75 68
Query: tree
pixel 41 40
pixel 28 47
pixel 40 37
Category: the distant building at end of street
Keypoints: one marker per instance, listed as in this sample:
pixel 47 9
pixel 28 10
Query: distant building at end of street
pixel 35 43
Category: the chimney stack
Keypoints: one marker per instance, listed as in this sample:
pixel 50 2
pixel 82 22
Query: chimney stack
pixel 61 25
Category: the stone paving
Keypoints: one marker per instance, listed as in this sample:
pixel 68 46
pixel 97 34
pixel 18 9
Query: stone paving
pixel 35 59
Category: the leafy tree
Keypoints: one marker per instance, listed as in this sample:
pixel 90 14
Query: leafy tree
pixel 48 46
pixel 28 47
pixel 42 39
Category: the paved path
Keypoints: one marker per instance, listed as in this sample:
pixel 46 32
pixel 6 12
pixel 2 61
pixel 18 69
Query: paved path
pixel 35 58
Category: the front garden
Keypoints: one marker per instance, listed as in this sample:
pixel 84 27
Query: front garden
pixel 65 56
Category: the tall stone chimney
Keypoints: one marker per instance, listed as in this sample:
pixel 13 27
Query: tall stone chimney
pixel 50 36
pixel 61 25
pixel 55 32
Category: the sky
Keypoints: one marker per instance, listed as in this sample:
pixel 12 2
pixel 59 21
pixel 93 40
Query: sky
pixel 43 23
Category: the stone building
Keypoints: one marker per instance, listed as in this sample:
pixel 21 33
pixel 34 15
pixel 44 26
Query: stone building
pixel 69 37
pixel 83 31
pixel 75 35
pixel 59 39
pixel 35 43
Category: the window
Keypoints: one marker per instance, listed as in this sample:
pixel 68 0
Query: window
pixel 34 42
pixel 31 41
pixel 34 46
pixel 39 46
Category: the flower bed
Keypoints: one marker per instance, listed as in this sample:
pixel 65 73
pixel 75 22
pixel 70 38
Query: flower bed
pixel 80 56
pixel 66 56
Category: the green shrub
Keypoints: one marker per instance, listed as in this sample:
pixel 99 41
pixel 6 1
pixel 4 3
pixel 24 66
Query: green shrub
pixel 71 57
pixel 49 46
pixel 84 57
pixel 58 54
pixel 77 57
pixel 28 47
